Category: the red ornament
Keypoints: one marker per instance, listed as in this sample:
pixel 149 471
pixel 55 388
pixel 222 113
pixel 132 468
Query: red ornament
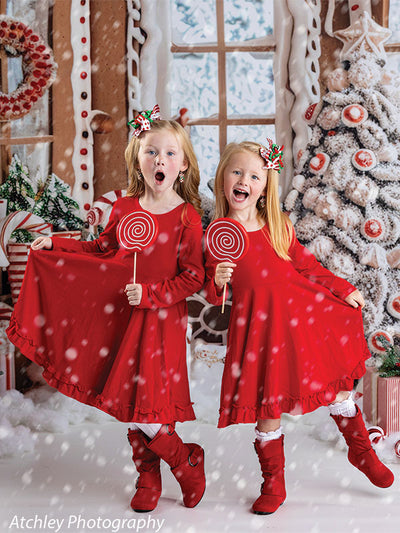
pixel 355 7
pixel 83 75
pixel 86 207
pixel 83 151
pixel 84 114
pixel 83 40
pixel 82 20
pixel 83 166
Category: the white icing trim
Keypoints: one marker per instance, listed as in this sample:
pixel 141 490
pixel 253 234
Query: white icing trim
pixel 156 56
pixel 81 30
pixel 303 58
pixel 284 98
pixel 133 33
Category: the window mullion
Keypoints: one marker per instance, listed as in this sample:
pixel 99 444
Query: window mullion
pixel 221 74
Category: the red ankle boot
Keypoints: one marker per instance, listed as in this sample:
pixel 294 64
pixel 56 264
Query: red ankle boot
pixel 361 455
pixel 147 464
pixel 186 462
pixel 272 461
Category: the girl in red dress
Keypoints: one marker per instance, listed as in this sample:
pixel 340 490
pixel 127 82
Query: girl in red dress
pixel 295 336
pixel 121 346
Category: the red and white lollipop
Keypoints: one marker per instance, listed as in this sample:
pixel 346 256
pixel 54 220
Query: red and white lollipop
pixel 136 231
pixel 226 240
pixel 319 163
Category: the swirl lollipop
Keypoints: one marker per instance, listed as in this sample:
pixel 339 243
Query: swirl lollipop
pixel 135 232
pixel 226 240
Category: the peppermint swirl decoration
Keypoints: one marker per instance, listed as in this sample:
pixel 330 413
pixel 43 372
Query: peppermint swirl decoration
pixel 226 240
pixel 137 230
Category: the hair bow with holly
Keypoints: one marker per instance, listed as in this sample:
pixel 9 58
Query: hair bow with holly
pixel 142 121
pixel 272 156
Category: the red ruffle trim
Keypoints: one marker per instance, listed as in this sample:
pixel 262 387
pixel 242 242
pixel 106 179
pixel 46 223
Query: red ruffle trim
pixel 249 415
pixel 124 413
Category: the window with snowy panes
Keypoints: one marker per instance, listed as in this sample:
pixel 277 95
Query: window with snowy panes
pixel 392 46
pixel 29 137
pixel 223 53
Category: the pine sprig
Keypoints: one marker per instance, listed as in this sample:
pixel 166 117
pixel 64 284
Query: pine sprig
pixel 390 366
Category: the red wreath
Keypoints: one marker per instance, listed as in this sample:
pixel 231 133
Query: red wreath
pixel 38 67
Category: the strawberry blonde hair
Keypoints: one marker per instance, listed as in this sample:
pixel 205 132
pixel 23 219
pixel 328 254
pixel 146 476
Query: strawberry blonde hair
pixel 188 190
pixel 280 228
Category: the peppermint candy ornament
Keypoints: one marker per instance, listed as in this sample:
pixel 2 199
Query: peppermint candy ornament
pixel 376 434
pixel 226 240
pixel 319 163
pixel 375 345
pixel 353 115
pixel 364 160
pixel 137 231
pixel 373 228
pixel 393 305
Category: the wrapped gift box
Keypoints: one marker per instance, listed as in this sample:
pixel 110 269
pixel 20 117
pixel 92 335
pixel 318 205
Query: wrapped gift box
pixel 381 401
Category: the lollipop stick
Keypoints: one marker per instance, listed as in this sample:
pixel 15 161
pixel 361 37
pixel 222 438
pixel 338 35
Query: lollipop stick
pixel 134 268
pixel 223 300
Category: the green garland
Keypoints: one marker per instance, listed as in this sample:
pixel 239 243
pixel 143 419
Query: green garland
pixel 390 366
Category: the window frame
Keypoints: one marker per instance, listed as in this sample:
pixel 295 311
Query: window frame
pixel 221 48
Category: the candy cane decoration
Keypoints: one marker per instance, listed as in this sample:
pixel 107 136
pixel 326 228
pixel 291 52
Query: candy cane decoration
pixel 19 220
pixel 101 208
pixel 226 240
pixel 135 232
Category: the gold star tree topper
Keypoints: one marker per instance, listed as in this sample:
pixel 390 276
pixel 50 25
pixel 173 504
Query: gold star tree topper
pixel 364 34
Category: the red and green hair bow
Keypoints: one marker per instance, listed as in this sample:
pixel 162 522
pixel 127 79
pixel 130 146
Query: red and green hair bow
pixel 142 121
pixel 272 156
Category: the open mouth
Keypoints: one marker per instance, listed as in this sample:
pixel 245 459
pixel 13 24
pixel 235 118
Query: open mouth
pixel 160 176
pixel 240 195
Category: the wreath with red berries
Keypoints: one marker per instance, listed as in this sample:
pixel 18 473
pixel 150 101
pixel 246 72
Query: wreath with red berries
pixel 38 67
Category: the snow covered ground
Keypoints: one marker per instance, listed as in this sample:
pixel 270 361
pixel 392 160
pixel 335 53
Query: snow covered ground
pixel 83 479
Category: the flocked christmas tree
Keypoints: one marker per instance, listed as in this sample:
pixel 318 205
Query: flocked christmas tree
pixel 345 200
pixel 17 189
pixel 49 199
pixel 54 204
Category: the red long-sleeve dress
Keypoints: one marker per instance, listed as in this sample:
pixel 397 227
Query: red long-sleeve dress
pixel 73 317
pixel 293 343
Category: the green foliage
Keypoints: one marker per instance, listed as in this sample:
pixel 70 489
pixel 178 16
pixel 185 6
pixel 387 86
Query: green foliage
pixel 390 366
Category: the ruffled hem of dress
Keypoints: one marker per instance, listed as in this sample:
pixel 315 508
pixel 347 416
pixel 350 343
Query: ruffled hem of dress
pixel 249 415
pixel 125 413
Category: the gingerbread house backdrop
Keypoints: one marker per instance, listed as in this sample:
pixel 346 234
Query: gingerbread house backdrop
pixel 227 69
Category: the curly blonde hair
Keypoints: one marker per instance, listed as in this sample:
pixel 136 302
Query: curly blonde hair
pixel 188 190
pixel 280 227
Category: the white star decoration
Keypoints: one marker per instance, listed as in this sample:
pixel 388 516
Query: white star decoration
pixel 363 35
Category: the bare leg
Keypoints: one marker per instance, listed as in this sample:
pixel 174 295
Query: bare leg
pixel 269 424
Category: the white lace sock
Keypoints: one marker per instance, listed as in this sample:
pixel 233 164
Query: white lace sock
pixel 346 408
pixel 150 430
pixel 271 435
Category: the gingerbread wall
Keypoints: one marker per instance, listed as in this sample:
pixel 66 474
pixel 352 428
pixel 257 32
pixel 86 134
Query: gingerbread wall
pixel 108 48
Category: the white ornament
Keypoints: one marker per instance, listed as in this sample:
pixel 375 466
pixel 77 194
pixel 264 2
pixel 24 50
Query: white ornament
pixel 291 198
pixel 310 197
pixel 362 191
pixel 298 182
pixel 337 80
pixel 322 247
